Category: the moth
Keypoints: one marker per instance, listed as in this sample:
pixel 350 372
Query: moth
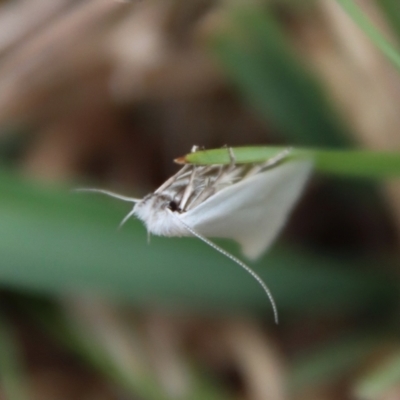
pixel 247 203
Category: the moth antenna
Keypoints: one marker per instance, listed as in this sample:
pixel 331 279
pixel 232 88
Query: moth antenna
pixel 237 261
pixel 188 190
pixel 122 223
pixel 108 193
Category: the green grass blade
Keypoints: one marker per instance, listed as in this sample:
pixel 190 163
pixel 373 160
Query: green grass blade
pixel 351 163
pixel 69 333
pixel 391 10
pixel 255 54
pixel 376 37
pixel 382 380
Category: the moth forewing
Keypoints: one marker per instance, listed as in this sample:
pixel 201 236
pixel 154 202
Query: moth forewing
pixel 253 210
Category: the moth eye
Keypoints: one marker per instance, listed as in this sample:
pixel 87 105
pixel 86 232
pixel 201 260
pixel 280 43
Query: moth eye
pixel 173 206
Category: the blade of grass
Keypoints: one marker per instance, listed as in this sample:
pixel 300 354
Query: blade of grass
pixel 384 378
pixel 55 242
pixel 68 332
pixel 391 52
pixel 254 52
pixel 391 10
pixel 346 163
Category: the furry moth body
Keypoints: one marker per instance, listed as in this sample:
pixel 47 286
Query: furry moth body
pixel 249 204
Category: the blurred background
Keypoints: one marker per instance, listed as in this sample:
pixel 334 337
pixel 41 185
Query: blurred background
pixel 106 93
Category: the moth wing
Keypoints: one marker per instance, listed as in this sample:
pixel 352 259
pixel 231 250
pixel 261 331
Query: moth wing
pixel 254 210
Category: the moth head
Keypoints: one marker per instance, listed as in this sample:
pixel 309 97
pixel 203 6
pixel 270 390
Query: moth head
pixel 156 210
pixel 174 206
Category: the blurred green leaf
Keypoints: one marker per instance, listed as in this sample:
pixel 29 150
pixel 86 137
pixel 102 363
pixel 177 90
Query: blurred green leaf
pixel 12 377
pixel 78 339
pixel 52 241
pixel 255 54
pixel 391 10
pixel 383 379
pixel 391 52
pixel 362 164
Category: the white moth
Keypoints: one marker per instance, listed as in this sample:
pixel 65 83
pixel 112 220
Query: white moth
pixel 246 203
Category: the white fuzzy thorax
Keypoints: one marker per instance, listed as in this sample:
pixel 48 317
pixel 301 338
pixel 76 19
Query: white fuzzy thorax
pixel 153 211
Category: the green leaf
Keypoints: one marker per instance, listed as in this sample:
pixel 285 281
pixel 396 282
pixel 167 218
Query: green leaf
pixel 391 10
pixel 351 163
pixel 79 340
pixel 255 54
pixel 391 53
pixel 70 333
pixel 383 379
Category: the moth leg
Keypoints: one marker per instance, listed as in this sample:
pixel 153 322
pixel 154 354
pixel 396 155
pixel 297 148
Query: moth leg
pixel 129 215
pixel 203 195
pixel 278 158
pixel 225 170
pixel 206 192
pixel 232 157
pixel 231 154
pixel 188 190
pixel 219 173
pixel 270 163
pixel 232 171
pixel 226 173
pixel 232 165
